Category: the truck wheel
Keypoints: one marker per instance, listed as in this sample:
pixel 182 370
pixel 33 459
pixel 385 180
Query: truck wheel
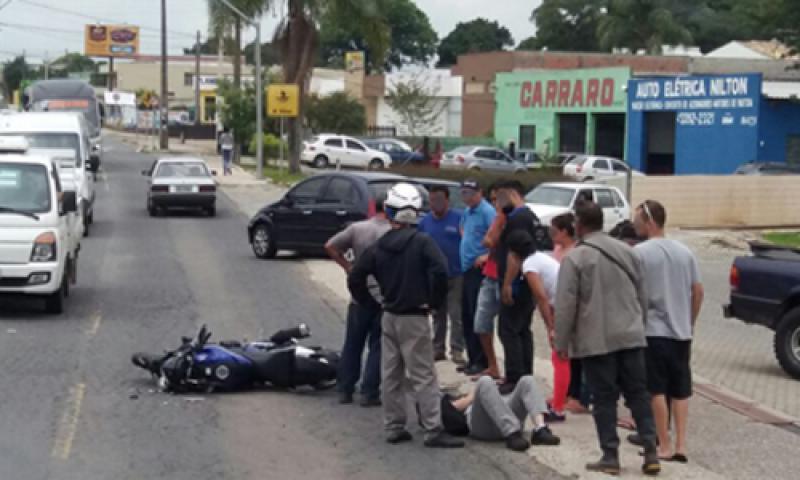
pixel 54 303
pixel 787 343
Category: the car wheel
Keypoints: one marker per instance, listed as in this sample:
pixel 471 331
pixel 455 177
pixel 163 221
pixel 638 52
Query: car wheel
pixel 376 164
pixel 211 211
pixel 85 224
pixel 321 161
pixel 54 303
pixel 262 242
pixel 787 343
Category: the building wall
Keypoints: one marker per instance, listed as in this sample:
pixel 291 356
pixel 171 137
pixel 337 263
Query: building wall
pixel 779 120
pixel 136 75
pixel 716 123
pixel 446 124
pixel 723 201
pixel 536 97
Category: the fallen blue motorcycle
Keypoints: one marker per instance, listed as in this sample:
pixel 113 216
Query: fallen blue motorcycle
pixel 200 366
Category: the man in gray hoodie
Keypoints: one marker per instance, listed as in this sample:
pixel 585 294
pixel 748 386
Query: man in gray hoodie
pixel 600 311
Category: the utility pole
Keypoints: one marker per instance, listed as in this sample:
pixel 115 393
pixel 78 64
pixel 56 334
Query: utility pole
pixel 197 80
pixel 259 90
pixel 164 101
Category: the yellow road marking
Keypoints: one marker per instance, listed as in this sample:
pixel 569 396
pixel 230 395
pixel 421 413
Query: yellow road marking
pixel 68 426
pixel 97 317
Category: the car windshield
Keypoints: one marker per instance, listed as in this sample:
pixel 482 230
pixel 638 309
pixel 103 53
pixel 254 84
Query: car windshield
pixel 61 141
pixel 182 169
pixel 24 187
pixel 555 196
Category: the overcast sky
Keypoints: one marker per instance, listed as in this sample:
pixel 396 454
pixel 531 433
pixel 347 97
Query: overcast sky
pixel 40 31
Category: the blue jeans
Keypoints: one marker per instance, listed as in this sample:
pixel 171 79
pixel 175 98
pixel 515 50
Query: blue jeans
pixel 363 328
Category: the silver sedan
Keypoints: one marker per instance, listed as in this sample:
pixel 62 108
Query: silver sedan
pixel 481 158
pixel 181 182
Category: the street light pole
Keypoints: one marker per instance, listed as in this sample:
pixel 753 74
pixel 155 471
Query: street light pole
pixel 164 102
pixel 259 90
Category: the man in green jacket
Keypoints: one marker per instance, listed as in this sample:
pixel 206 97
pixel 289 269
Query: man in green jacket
pixel 600 311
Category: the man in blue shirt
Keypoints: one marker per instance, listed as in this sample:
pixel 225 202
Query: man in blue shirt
pixel 444 226
pixel 477 219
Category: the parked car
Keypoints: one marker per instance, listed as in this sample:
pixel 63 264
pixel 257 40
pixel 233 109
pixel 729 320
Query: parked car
pixel 453 187
pixel 323 151
pixel 765 290
pixel 59 131
pixel 316 209
pixel 767 168
pixel 551 199
pixel 530 159
pixel 184 182
pixel 565 157
pixel 400 152
pixel 38 253
pixel 585 168
pixel 481 158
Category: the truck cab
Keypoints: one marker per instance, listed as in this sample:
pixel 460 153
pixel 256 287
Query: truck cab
pixel 38 254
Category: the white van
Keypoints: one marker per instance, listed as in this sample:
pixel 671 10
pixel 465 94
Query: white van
pixel 37 254
pixel 46 131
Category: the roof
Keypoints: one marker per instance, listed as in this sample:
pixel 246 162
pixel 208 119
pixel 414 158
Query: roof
pixel 368 176
pixel 41 122
pixel 61 88
pixel 572 185
pixel 763 49
pixel 181 159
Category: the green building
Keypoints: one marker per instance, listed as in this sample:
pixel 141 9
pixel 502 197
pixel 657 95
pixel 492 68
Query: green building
pixel 570 111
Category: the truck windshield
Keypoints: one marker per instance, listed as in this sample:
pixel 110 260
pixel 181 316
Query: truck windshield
pixel 63 141
pixel 24 187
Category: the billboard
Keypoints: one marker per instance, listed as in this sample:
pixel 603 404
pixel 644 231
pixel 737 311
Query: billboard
pixel 111 40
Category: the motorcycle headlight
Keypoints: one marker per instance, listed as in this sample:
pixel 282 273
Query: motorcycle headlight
pixel 44 248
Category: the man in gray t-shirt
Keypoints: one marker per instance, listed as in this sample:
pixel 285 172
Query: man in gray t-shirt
pixel 363 324
pixel 674 297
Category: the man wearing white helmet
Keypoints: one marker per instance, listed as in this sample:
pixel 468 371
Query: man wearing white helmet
pixel 412 274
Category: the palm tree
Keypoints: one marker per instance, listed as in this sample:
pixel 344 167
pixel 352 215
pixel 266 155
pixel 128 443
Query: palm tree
pixel 297 35
pixel 641 25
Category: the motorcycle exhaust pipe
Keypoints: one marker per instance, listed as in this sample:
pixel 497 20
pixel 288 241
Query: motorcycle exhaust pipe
pixel 289 334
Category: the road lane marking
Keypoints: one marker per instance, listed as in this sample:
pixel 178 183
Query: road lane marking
pixel 68 426
pixel 97 317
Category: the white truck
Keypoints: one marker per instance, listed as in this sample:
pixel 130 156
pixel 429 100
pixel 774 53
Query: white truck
pixel 38 251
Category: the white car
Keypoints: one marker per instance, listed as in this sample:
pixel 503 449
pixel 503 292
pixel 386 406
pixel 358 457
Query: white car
pixel 38 255
pixel 549 200
pixel 181 182
pixel 585 168
pixel 323 151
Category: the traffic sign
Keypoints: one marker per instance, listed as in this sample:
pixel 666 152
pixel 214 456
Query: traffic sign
pixel 283 100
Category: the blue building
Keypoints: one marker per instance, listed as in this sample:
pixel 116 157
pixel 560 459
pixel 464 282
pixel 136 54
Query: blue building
pixel 709 124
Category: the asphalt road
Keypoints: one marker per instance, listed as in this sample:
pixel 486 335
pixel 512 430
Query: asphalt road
pixel 73 407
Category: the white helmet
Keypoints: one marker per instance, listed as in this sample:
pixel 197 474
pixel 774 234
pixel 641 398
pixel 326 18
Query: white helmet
pixel 403 203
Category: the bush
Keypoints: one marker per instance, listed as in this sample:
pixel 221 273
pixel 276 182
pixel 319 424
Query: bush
pixel 272 146
pixel 336 113
pixel 530 179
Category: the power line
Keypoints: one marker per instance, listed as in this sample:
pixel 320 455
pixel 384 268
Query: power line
pixel 23 26
pixel 95 18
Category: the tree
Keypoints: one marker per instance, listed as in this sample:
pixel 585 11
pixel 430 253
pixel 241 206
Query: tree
pixel 416 104
pixel 211 46
pixel 641 25
pixel 14 72
pixel 336 113
pixel 479 35
pixel 74 63
pixel 238 110
pixel 297 40
pixel 269 54
pixel 768 19
pixel 413 39
pixel 222 19
pixel 566 25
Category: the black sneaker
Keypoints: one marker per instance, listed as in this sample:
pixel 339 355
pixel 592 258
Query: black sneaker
pixel 345 398
pixel 443 440
pixel 371 402
pixel 544 436
pixel 554 417
pixel 399 436
pixel 609 465
pixel 651 465
pixel 517 442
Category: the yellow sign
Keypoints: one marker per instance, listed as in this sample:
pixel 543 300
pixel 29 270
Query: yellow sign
pixel 283 100
pixel 354 61
pixel 111 41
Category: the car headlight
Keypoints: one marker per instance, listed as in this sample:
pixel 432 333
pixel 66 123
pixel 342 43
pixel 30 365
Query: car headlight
pixel 44 248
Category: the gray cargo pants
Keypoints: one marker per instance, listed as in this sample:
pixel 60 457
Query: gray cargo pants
pixel 453 311
pixel 407 364
pixel 494 417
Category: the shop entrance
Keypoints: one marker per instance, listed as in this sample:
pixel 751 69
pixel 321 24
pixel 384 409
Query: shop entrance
pixel 660 157
pixel 610 135
pixel 572 132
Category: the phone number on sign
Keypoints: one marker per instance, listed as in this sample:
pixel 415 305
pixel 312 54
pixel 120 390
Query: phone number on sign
pixel 696 118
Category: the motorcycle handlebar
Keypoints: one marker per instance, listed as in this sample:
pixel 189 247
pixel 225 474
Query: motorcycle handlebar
pixel 289 334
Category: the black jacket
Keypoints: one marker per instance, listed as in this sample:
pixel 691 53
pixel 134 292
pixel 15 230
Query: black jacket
pixel 410 269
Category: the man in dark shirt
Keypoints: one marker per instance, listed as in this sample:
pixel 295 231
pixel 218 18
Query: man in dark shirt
pixel 516 312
